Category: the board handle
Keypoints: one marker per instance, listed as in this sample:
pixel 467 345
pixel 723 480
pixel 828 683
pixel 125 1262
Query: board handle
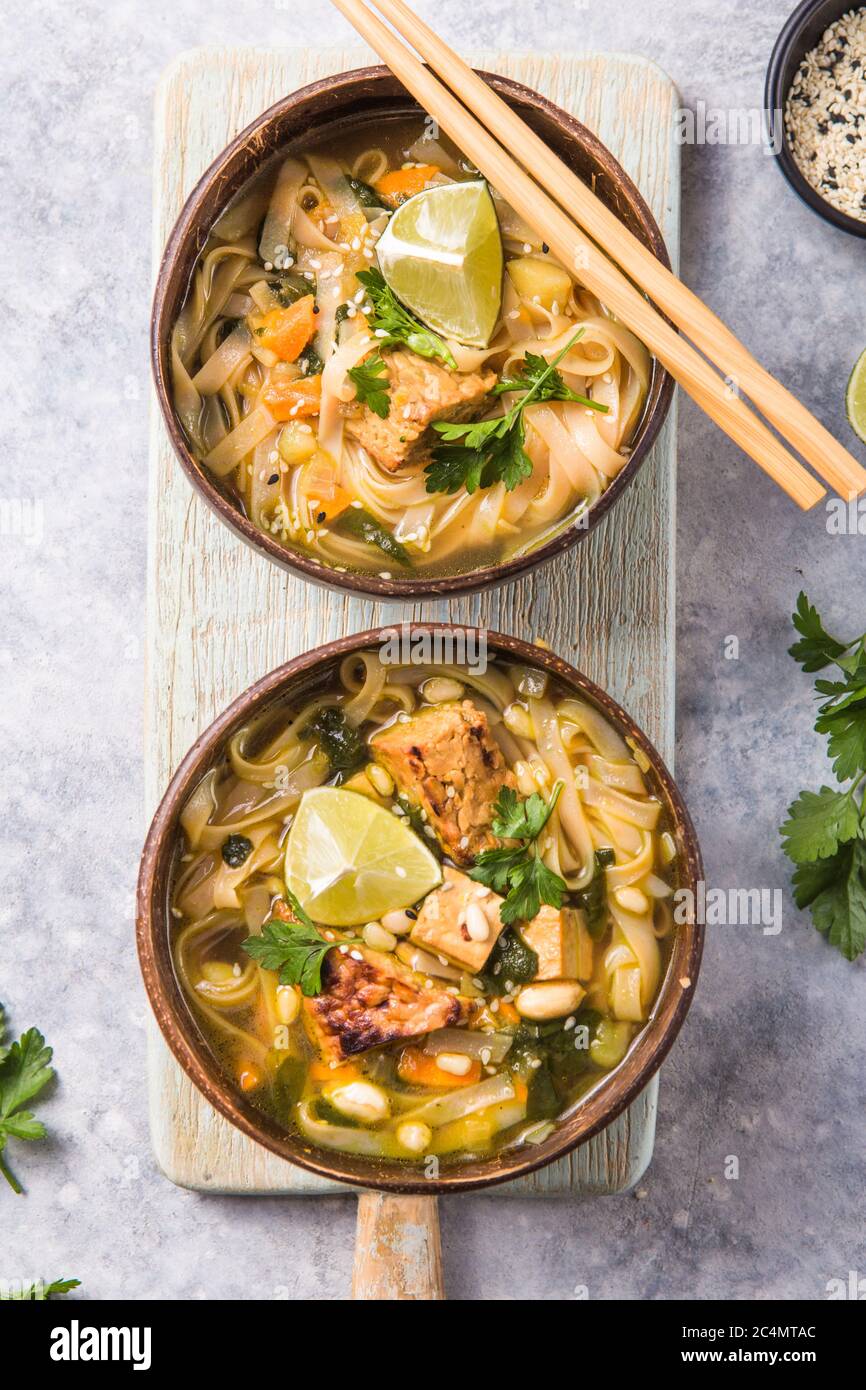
pixel 398 1253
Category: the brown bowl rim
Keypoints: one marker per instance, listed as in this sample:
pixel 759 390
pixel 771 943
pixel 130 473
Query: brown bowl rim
pixel 189 225
pixel 185 1040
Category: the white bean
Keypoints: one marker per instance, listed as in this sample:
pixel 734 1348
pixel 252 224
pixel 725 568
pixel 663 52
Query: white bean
pixel 361 1100
pixel 455 1063
pixel 378 938
pixel 439 689
pixel 477 924
pixel 414 1136
pixel 288 1003
pixel 380 779
pixel 549 999
pixel 398 922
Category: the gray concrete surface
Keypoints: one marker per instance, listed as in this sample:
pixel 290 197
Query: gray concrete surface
pixel 769 1068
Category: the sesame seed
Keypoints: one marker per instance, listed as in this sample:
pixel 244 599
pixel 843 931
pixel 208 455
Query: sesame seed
pixel 824 122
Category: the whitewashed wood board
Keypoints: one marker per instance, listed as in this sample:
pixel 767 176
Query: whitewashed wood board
pixel 219 616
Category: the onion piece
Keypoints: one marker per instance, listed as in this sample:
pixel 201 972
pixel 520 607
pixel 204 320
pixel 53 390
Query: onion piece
pixel 443 1109
pixel 471 1044
pixel 348 1140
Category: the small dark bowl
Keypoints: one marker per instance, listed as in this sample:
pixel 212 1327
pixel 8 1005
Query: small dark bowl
pixel 186 1041
pixel 799 36
pixel 353 97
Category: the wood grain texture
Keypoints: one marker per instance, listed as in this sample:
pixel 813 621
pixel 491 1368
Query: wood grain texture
pixel 218 616
pixel 398 1251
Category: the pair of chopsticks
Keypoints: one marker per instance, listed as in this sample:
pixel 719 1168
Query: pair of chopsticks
pixel 542 197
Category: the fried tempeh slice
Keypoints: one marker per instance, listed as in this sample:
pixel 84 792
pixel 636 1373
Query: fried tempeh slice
pixel 421 392
pixel 370 998
pixel 445 760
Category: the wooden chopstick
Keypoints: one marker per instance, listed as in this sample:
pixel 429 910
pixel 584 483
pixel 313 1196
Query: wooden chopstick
pixel 599 274
pixel 791 418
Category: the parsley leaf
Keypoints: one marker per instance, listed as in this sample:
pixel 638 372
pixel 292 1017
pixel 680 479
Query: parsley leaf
pixel 532 884
pixel 593 899
pixel 24 1073
pixel 357 522
pixel 818 822
pixel 835 890
pixel 519 873
pixel 825 833
pixel 477 454
pixel 371 385
pixel 391 317
pixel 817 648
pixel 295 949
pixel 40 1292
pixel 338 739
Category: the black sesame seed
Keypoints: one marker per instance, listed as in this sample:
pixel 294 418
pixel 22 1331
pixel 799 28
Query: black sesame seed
pixel 410 912
pixel 544 248
pixel 274 478
pixel 320 517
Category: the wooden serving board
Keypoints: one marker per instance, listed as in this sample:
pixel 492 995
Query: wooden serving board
pixel 219 616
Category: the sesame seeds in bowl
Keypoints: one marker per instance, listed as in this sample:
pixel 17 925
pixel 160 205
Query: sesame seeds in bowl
pixel 815 106
pixel 825 115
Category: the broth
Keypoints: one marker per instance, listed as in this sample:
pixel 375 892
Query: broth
pixel 279 349
pixel 422 912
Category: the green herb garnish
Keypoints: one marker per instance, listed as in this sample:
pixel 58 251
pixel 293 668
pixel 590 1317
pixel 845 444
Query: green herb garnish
pixel 520 872
pixel 394 319
pixel 593 899
pixel 419 825
pixel 825 833
pixel 480 453
pixel 365 193
pixel 354 521
pixel 310 362
pixel 371 384
pixel 24 1073
pixel 510 963
pixel 338 739
pixel 40 1292
pixel 295 949
pixel 288 289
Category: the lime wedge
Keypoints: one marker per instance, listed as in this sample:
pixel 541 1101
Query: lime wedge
pixel 855 398
pixel 349 860
pixel 441 253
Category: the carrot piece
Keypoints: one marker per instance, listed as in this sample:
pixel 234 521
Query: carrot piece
pixel 401 184
pixel 323 1071
pixel 249 1076
pixel 417 1068
pixel 291 398
pixel 286 331
pixel 508 1013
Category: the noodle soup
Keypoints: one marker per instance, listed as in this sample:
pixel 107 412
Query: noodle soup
pixel 382 366
pixel 423 912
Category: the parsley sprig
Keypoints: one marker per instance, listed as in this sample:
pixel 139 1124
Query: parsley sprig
pixel 825 833
pixel 371 384
pixel 295 949
pixel 40 1292
pixel 480 453
pixel 518 872
pixel 402 328
pixel 24 1073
